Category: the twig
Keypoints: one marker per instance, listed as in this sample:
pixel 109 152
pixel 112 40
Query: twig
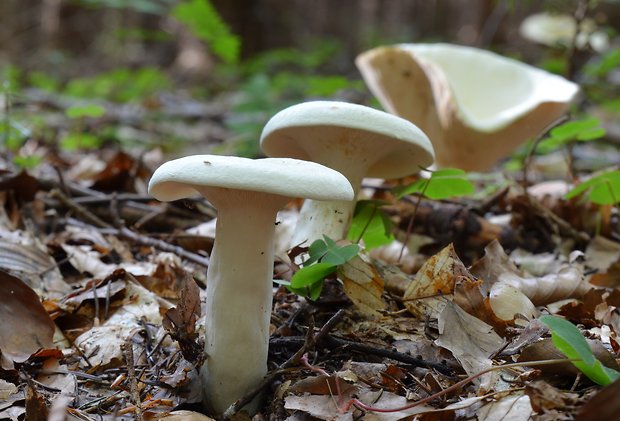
pixel 335 342
pixel 79 209
pixel 127 348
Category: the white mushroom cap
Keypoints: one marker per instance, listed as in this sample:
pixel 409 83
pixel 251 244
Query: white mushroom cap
pixel 490 90
pixel 559 29
pixel 476 106
pixel 183 177
pixel 396 146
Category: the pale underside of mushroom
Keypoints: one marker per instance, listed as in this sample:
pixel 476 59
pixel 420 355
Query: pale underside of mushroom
pixel 355 140
pixel 247 194
pixel 475 106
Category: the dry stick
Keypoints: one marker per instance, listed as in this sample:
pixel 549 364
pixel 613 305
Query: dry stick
pixel 127 234
pixel 359 404
pixel 127 348
pixel 333 341
pixel 79 209
pixel 284 367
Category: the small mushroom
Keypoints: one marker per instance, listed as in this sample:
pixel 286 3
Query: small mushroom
pixel 559 30
pixel 355 140
pixel 476 106
pixel 247 194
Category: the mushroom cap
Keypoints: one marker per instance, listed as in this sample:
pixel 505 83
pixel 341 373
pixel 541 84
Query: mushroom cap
pixel 400 146
pixel 180 178
pixel 492 91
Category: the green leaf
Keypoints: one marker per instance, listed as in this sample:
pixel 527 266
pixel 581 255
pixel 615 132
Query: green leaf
pixel 569 340
pixel 576 130
pixel 28 161
pixel 309 275
pixel 89 110
pixel 604 188
pixel 205 23
pixel 74 141
pixel 370 224
pixel 443 184
pixel 340 255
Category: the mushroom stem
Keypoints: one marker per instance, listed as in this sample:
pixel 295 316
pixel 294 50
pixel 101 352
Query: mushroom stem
pixel 329 217
pixel 238 298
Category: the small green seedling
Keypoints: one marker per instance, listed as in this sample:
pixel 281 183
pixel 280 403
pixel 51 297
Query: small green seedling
pixel 443 184
pixel 324 258
pixel 573 131
pixel 603 189
pixel 370 224
pixel 569 340
pixel 77 138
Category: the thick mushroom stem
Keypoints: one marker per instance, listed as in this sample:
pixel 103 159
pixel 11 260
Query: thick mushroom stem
pixel 330 218
pixel 239 294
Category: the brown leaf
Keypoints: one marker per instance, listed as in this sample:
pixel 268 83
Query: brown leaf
pixel 363 285
pixel 36 410
pixel 567 282
pixel 605 405
pixel 437 277
pixel 471 341
pixel 180 322
pixel 544 397
pixel 26 327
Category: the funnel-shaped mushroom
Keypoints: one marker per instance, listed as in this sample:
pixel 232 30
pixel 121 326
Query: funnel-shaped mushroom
pixel 476 106
pixel 247 194
pixel 355 140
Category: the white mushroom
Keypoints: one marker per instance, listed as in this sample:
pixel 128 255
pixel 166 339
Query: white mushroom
pixel 247 194
pixel 559 30
pixel 355 140
pixel 476 106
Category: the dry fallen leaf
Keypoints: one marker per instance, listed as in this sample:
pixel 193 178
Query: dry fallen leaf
pixel 509 408
pixel 25 326
pixel 471 341
pixel 567 282
pixel 363 285
pixel 436 278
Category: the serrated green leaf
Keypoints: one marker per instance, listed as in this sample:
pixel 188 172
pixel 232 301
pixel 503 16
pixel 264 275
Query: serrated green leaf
pixel 309 275
pixel 569 340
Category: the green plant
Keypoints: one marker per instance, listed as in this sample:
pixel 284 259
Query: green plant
pixel 324 258
pixel 442 184
pixel 370 224
pixel 602 189
pixel 569 340
pixel 120 85
pixel 205 23
pixel 582 130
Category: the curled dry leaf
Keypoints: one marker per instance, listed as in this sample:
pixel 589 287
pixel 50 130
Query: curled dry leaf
pixel 25 257
pixel 436 278
pixel 363 285
pixel 545 350
pixel 25 326
pixel 567 282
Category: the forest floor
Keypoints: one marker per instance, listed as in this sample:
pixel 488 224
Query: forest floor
pixel 92 268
